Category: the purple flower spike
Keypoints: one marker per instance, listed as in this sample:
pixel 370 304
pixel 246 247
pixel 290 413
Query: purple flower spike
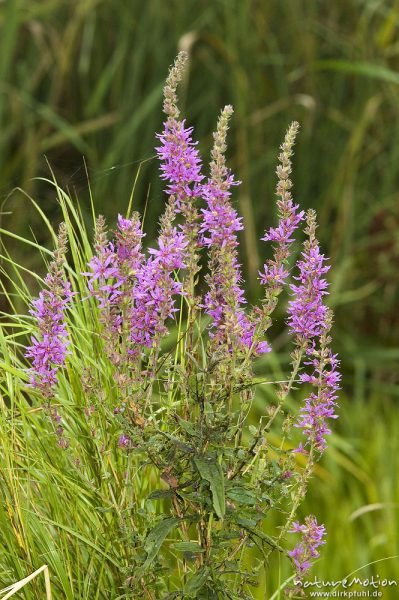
pixel 155 288
pixel 181 168
pixel 275 270
pixel 230 328
pixel 306 551
pixel 49 347
pixel 111 280
pixel 307 313
pixel 180 161
pixel 274 274
pixel 310 321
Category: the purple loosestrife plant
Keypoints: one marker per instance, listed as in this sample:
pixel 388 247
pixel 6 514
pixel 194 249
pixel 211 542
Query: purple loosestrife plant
pixel 180 407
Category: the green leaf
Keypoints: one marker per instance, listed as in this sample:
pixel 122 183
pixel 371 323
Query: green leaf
pixel 197 581
pixel 229 535
pixel 212 472
pixel 177 442
pixel 231 565
pixel 188 427
pixel 157 494
pixel 245 522
pixel 187 547
pixel 365 69
pixel 208 594
pixel 156 537
pixel 241 495
pixel 104 509
pixel 253 430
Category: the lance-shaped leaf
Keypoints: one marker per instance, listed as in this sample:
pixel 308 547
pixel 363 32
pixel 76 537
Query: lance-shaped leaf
pixel 211 472
pixel 193 547
pixel 156 537
pixel 197 582
pixel 241 495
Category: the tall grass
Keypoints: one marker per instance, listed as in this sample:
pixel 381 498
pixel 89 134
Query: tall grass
pixel 62 508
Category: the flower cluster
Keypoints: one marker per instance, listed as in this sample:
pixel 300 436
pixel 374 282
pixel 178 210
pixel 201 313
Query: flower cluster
pixel 135 293
pixel 115 264
pixel 129 247
pixel 124 442
pixel 306 550
pixel 103 271
pixel 49 348
pixel 112 276
pixel 180 161
pixel 290 219
pixel 320 405
pixel 156 285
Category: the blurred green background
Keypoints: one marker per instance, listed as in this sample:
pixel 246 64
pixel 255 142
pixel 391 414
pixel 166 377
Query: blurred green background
pixel 84 79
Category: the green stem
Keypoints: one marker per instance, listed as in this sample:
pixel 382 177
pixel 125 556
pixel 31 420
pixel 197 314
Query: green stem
pixel 296 367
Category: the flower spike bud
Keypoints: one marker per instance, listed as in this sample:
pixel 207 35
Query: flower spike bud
pixel 175 76
pixel 218 164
